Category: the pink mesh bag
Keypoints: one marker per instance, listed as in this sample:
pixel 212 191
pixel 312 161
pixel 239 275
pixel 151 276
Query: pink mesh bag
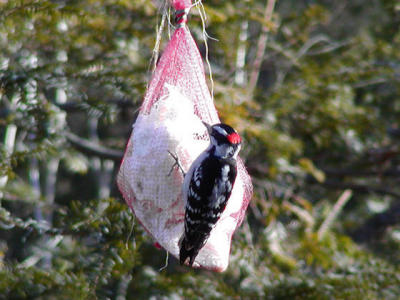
pixel 176 102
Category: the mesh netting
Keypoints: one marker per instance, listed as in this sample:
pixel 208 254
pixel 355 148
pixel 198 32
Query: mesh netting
pixel 176 102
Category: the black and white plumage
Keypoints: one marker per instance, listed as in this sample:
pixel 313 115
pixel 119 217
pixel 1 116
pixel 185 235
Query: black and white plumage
pixel 207 187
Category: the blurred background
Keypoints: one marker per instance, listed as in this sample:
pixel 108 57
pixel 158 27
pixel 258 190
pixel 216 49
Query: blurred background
pixel 313 88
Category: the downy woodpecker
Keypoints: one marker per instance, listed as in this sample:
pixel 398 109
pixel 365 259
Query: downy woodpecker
pixel 207 187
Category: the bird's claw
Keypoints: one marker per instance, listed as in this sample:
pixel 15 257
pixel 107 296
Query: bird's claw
pixel 176 163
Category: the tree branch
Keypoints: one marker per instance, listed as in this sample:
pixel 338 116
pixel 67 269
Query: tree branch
pixel 333 184
pixel 337 208
pixel 93 149
pixel 261 45
pixel 393 172
pixel 74 106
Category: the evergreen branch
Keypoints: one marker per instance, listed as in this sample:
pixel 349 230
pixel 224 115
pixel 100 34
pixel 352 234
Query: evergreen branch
pixel 7 221
pixel 33 6
pixel 74 106
pixel 333 184
pixel 393 172
pixel 93 149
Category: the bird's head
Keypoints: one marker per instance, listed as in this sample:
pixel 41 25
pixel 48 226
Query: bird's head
pixel 224 139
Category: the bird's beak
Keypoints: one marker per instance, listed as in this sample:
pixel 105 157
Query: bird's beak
pixel 208 127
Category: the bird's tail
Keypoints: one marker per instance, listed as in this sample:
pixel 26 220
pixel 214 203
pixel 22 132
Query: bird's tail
pixel 187 251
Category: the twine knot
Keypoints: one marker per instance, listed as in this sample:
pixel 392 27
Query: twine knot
pixel 181 17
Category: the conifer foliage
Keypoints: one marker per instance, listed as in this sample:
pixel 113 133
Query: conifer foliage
pixel 313 88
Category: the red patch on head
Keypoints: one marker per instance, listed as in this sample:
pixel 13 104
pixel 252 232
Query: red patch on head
pixel 234 138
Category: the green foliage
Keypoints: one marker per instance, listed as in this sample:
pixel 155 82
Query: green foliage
pixel 322 119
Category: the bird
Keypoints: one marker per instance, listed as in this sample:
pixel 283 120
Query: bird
pixel 207 187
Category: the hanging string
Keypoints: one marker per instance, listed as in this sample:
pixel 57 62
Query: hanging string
pixel 129 236
pixel 181 20
pixel 170 25
pixel 160 29
pixel 166 263
pixel 203 16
